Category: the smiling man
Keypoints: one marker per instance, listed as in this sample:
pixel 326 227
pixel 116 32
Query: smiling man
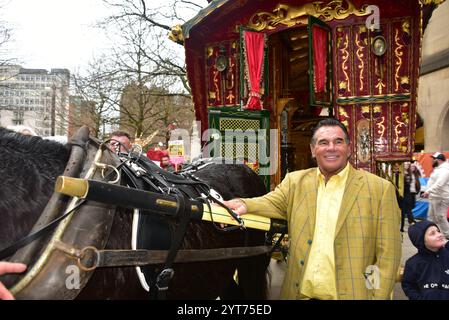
pixel 343 224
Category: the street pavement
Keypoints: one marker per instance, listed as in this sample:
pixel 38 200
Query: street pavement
pixel 277 270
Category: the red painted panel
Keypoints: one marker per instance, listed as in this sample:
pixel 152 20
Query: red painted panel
pixel 400 126
pixel 380 65
pixel 381 129
pixel 231 77
pixel 361 61
pixel 222 86
pixel 343 62
pixel 214 92
pixel 401 54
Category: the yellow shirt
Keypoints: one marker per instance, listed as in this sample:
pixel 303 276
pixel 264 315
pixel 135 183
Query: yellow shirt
pixel 319 280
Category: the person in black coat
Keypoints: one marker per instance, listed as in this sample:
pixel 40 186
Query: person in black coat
pixel 426 274
pixel 412 187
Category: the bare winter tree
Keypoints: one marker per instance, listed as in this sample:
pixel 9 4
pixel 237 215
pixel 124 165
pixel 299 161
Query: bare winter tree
pixel 6 32
pixel 97 94
pixel 166 57
pixel 158 112
pixel 153 73
pixel 5 38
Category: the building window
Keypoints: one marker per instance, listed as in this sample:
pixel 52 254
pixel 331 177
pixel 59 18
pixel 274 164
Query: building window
pixel 18 114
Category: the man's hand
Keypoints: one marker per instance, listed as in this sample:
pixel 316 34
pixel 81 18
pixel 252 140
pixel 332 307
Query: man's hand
pixel 237 205
pixel 9 267
pixel 425 195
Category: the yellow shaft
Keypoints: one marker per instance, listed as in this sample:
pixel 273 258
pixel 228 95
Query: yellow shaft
pixel 80 188
pixel 220 215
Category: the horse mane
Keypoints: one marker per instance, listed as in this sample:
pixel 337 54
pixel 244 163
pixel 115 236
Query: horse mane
pixel 28 166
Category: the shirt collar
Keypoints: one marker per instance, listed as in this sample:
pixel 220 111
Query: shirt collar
pixel 343 174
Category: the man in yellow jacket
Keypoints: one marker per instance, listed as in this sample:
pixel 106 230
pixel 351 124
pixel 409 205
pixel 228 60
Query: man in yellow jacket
pixel 343 224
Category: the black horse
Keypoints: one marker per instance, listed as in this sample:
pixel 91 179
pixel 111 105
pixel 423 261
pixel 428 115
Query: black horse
pixel 28 169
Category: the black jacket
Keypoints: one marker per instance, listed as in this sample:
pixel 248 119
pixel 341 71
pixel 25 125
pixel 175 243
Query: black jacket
pixel 426 274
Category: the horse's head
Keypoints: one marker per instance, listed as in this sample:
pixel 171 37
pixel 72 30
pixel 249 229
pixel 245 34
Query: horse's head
pixel 32 167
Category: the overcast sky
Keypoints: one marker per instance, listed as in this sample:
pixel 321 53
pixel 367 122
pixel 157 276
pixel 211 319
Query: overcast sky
pixel 60 33
pixel 54 33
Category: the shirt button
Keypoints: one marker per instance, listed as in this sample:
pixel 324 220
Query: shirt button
pixel 301 262
pixel 309 242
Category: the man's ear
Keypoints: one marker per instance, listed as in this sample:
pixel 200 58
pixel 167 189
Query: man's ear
pixel 312 150
pixel 350 150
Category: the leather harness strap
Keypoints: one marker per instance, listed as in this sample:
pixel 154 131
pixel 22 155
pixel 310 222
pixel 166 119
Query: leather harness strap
pixel 124 258
pixel 165 276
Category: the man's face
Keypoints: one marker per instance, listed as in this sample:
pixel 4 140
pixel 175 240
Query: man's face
pixel 435 163
pixel 26 132
pixel 165 161
pixel 330 150
pixel 124 141
pixel 434 239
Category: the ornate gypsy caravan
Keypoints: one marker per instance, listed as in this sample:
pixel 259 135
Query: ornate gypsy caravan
pixel 270 64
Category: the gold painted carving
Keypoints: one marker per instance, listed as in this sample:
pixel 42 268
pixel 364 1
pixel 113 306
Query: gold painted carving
pixel 380 85
pixel 339 39
pixel 405 117
pixel 290 16
pixel 436 2
pixel 360 54
pixel 404 114
pixel 210 52
pixel 343 117
pixel 377 112
pixel 176 34
pixel 230 97
pixel 405 80
pixel 397 130
pixel 230 76
pixel 217 89
pixel 377 109
pixel 406 26
pixel 345 56
pixel 343 113
pixel 365 109
pixel 403 144
pixel 381 128
pixel 398 54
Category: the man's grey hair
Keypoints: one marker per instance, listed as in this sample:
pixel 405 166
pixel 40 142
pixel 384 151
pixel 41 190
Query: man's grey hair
pixel 329 122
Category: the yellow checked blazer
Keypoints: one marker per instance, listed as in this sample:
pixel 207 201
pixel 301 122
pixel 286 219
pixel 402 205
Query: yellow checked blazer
pixel 367 235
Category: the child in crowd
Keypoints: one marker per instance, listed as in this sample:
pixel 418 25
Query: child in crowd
pixel 426 274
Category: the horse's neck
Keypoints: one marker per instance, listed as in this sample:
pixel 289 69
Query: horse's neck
pixel 30 168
